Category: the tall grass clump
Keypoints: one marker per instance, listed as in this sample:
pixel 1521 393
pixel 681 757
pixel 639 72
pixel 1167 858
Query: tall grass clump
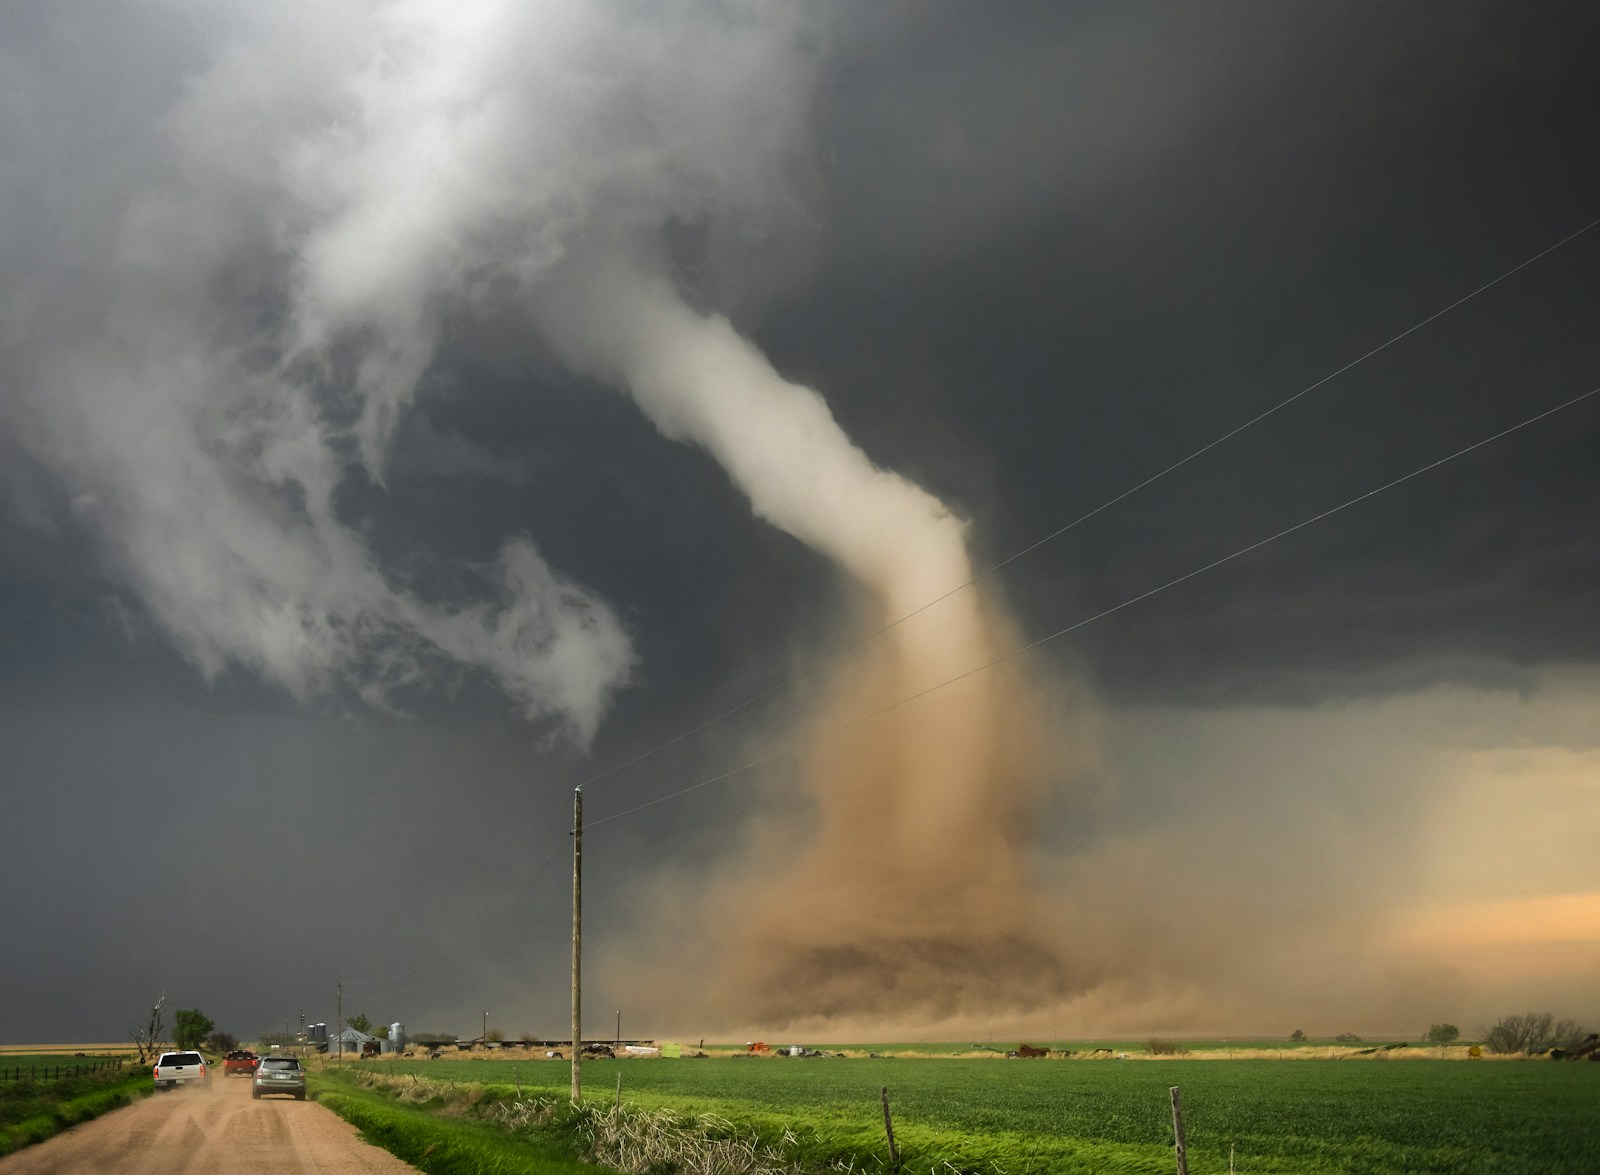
pixel 649 1142
pixel 433 1138
pixel 1159 1047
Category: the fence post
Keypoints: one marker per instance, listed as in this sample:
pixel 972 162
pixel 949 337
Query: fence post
pixel 888 1128
pixel 1179 1148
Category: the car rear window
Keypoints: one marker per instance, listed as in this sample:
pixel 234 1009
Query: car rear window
pixel 280 1063
pixel 182 1059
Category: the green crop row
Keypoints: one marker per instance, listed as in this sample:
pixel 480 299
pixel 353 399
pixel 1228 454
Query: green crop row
pixel 1422 1116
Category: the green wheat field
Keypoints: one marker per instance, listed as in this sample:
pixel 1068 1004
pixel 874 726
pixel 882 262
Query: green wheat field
pixel 1014 1116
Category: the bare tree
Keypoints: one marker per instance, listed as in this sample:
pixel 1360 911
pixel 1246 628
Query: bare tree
pixel 1532 1032
pixel 1567 1034
pixel 148 1039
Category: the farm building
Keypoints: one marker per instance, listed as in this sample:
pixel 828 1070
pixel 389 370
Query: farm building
pixel 351 1040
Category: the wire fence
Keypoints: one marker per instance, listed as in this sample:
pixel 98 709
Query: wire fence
pixel 60 1070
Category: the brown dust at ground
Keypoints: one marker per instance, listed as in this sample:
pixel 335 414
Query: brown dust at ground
pixel 190 1130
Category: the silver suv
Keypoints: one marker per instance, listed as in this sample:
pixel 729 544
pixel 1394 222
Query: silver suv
pixel 279 1075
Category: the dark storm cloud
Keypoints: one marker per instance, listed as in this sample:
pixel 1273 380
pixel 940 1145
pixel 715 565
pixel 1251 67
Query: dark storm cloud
pixel 1102 248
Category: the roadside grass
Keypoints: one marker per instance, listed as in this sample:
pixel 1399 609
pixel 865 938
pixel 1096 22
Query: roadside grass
pixel 437 1135
pixel 32 1110
pixel 1004 1116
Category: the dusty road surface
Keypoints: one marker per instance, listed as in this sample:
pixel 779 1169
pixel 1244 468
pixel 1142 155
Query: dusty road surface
pixel 187 1131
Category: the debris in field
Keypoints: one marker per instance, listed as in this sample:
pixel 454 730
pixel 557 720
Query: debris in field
pixel 1028 1050
pixel 1589 1050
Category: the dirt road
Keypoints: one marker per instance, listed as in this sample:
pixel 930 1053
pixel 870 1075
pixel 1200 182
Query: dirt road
pixel 188 1131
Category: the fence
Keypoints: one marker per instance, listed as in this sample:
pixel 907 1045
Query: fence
pixel 57 1072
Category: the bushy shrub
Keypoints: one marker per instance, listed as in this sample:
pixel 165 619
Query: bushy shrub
pixel 1443 1033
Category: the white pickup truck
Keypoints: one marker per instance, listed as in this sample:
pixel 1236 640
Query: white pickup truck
pixel 180 1069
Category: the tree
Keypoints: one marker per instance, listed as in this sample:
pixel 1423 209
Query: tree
pixel 1442 1034
pixel 360 1022
pixel 148 1039
pixel 1297 1035
pixel 222 1042
pixel 1532 1032
pixel 189 1027
pixel 1568 1035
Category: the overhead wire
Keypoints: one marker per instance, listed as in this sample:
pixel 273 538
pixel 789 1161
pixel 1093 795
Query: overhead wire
pixel 1059 531
pixel 390 978
pixel 1145 595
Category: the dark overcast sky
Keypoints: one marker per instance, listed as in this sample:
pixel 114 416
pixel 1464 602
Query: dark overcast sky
pixel 1030 254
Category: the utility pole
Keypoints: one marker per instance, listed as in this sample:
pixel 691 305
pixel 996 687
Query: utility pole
pixel 338 991
pixel 577 945
pixel 486 1028
pixel 618 1042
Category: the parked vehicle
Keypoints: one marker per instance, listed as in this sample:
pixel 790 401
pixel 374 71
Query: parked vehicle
pixel 240 1063
pixel 279 1075
pixel 174 1069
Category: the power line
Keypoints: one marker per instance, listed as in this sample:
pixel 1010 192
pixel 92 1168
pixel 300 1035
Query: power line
pixel 1215 563
pixel 1059 531
pixel 391 978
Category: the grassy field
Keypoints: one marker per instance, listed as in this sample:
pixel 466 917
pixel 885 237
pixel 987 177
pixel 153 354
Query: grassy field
pixel 437 1144
pixel 40 1105
pixel 48 1066
pixel 1011 1116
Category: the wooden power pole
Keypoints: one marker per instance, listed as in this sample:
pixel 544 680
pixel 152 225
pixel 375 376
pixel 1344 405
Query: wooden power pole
pixel 577 945
pixel 338 990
